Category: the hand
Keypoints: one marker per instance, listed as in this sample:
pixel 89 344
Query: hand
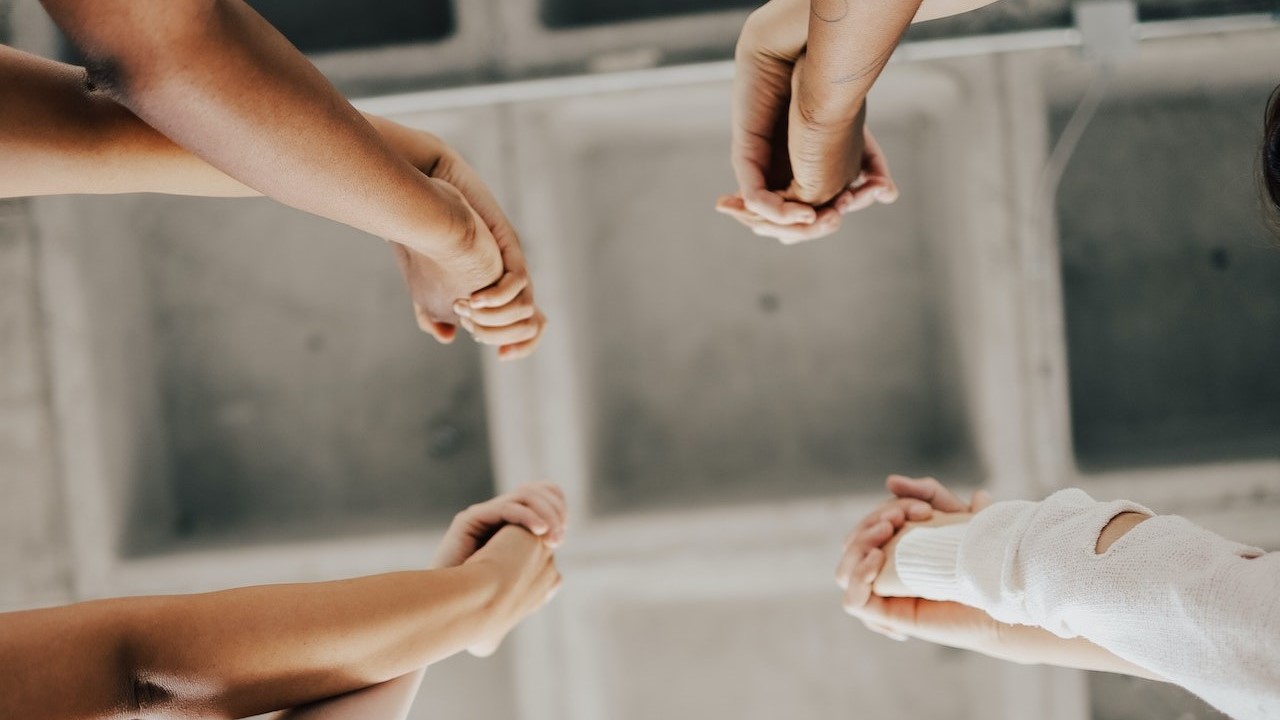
pixel 524 573
pixel 537 507
pixel 873 185
pixel 498 312
pixel 503 314
pixel 437 281
pixel 865 566
pixel 793 185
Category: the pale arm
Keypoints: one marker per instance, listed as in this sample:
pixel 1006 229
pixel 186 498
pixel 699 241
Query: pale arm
pixel 1180 601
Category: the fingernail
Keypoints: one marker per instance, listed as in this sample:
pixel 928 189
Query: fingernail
pixel 462 309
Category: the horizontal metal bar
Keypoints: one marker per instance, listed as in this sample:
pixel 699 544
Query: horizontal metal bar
pixel 675 75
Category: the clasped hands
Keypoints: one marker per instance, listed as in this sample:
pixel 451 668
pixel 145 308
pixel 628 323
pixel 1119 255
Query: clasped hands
pixel 472 271
pixel 874 594
pixel 800 166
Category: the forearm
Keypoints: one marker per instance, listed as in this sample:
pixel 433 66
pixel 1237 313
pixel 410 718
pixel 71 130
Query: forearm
pixel 239 652
pixel 217 79
pixel 1162 593
pixel 58 138
pixel 1036 646
pixel 389 701
pixel 849 43
pixel 261 649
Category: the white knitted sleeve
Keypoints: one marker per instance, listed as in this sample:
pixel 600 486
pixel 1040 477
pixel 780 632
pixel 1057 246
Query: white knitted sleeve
pixel 1169 596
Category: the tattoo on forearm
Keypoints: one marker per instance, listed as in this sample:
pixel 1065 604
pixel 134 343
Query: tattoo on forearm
pixel 875 66
pixel 830 11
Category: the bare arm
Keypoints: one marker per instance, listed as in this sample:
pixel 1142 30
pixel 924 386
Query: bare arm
pixel 243 652
pixel 540 507
pixel 216 78
pixel 58 137
pixel 391 700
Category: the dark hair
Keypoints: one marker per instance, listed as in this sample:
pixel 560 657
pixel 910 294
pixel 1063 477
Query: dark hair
pixel 1269 169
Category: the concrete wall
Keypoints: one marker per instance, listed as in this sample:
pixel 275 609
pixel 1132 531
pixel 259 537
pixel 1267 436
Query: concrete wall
pixel 206 394
pixel 34 549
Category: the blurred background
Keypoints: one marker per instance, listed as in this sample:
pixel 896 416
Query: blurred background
pixel 196 394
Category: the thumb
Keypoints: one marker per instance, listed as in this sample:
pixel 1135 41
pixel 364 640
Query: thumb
pixel 444 333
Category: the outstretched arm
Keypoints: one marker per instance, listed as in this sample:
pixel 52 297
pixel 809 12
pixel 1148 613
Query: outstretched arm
pixel 216 78
pixel 874 594
pixel 58 138
pixel 243 652
pixel 1182 603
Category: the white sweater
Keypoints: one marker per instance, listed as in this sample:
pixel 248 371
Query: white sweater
pixel 1168 596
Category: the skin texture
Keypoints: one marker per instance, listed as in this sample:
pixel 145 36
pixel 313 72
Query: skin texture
pixel 801 154
pixel 59 138
pixel 874 594
pixel 253 650
pixel 217 79
pixel 539 508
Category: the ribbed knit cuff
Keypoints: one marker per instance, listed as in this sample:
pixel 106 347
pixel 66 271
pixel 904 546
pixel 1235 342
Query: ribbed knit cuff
pixel 927 560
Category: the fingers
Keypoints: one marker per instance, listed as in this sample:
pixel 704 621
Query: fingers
pixel 863 575
pixel 927 489
pixel 875 166
pixel 826 222
pixel 772 207
pixel 864 554
pixel 504 315
pixel 539 508
pixel 896 512
pixel 861 197
pixel 549 506
pixel 519 351
pixel 527 517
pixel 507 289
pixel 507 314
pixel 519 332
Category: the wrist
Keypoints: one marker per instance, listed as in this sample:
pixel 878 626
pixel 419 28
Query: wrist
pixel 926 557
pixel 442 226
pixel 488 592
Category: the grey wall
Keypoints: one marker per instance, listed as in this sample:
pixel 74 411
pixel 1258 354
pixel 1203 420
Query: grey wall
pixel 1170 282
pixel 34 548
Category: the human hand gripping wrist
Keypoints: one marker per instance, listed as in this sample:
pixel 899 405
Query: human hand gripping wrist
pixel 798 173
pixel 496 304
pixel 520 572
pixel 537 508
pixel 865 572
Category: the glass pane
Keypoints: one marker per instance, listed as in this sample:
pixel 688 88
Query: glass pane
pixel 326 25
pixel 1170 282
pixel 575 13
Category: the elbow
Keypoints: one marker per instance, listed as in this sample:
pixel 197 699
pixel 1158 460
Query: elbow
pixel 136 45
pixel 143 693
pixel 103 76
